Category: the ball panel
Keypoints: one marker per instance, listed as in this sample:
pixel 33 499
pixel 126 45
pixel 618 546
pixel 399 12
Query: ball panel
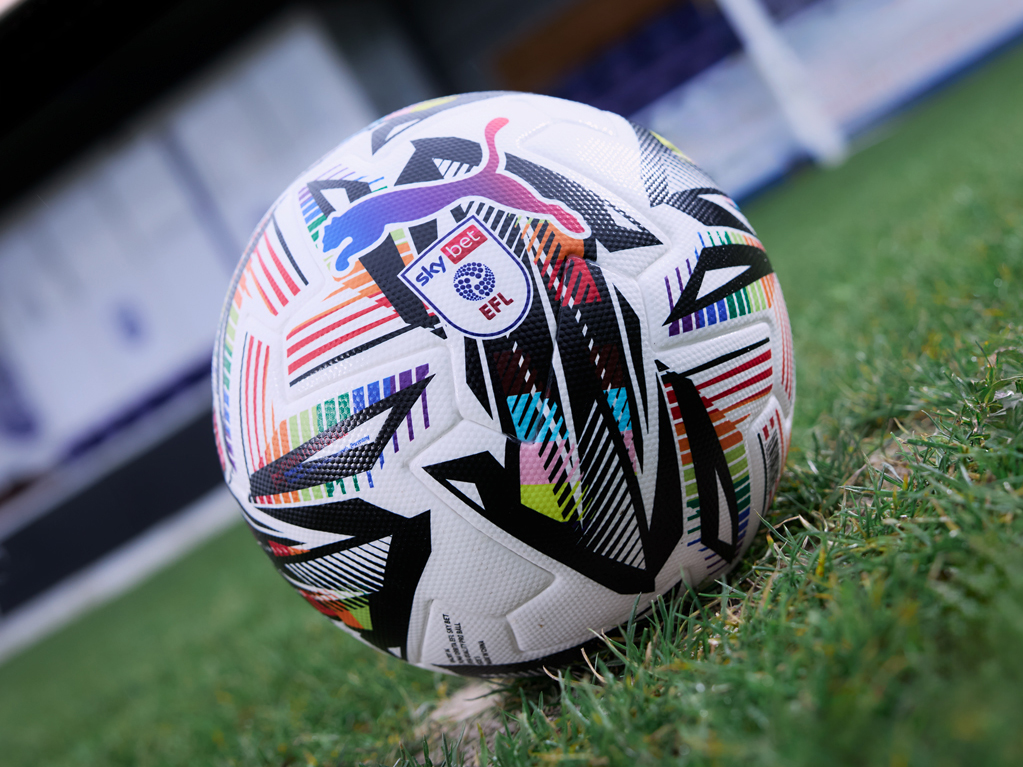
pixel 475 487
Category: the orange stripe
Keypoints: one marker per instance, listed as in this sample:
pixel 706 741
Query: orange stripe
pixel 731 440
pixel 260 289
pixel 282 435
pixel 284 272
pixel 758 395
pixel 321 315
pixel 721 424
pixel 684 453
pixel 358 277
pixel 769 289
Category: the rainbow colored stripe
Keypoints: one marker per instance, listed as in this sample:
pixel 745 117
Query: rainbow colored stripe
pixel 266 445
pixel 755 297
pixel 747 381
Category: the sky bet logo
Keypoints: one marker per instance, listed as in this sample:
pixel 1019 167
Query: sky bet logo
pixel 457 248
pixel 484 296
pixel 427 271
pixel 463 243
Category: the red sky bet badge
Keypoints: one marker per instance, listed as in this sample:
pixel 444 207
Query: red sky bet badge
pixel 472 281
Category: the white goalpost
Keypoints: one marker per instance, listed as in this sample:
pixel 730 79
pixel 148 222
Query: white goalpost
pixel 787 79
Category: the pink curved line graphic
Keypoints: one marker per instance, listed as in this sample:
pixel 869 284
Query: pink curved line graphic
pixel 366 222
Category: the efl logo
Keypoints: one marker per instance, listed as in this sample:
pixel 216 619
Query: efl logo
pixel 463 243
pixel 485 296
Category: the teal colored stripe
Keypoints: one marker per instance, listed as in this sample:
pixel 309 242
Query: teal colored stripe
pixel 618 399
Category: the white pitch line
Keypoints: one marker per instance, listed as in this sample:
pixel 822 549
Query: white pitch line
pixel 117 572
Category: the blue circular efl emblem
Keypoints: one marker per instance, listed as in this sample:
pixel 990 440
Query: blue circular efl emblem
pixel 474 281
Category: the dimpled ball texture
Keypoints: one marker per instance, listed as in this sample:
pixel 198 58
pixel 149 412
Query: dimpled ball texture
pixel 493 370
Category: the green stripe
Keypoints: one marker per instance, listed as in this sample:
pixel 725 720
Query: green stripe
pixel 741 496
pixel 735 452
pixel 754 297
pixel 317 222
pixel 307 432
pixel 738 466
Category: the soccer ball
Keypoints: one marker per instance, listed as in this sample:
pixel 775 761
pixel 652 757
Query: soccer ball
pixel 493 370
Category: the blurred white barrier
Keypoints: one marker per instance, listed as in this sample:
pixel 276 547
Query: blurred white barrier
pixel 862 58
pixel 787 79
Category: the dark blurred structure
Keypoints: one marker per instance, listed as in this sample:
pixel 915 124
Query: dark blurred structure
pixel 140 144
pixel 83 69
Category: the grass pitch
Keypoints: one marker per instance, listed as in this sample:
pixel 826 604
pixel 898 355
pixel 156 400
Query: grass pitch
pixel 877 619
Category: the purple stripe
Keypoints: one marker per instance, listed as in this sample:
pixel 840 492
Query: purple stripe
pixel 673 327
pixel 405 379
pixel 421 373
pixel 388 390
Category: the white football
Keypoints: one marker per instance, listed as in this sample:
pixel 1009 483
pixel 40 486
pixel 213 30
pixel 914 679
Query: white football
pixel 494 368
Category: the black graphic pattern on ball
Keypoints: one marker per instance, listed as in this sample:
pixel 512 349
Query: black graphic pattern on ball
pixel 475 281
pixel 600 457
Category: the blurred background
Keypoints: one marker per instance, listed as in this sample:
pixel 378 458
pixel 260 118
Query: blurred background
pixel 141 143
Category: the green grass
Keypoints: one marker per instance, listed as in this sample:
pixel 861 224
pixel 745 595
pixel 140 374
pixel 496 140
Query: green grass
pixel 213 661
pixel 877 621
